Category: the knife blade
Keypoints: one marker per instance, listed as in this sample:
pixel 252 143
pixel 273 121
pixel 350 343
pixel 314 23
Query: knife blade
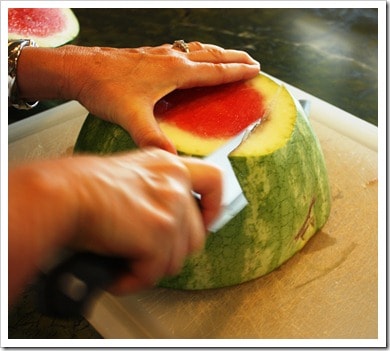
pixel 233 198
pixel 67 290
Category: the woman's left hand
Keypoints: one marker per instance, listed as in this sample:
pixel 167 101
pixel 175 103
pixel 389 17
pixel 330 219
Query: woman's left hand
pixel 123 85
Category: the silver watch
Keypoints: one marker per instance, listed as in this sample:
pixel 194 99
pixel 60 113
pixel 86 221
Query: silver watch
pixel 15 47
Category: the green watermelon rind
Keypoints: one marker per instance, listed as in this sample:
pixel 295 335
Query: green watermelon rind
pixel 103 138
pixel 289 201
pixel 270 230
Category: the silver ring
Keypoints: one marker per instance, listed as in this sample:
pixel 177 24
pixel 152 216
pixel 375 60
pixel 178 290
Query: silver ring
pixel 182 45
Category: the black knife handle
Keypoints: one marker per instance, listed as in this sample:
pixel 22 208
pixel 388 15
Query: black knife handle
pixel 67 290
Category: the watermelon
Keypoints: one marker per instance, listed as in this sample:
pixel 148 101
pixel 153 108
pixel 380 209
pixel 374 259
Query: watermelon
pixel 48 27
pixel 280 167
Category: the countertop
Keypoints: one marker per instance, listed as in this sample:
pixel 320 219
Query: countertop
pixel 330 53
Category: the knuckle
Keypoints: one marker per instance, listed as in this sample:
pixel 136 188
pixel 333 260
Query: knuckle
pixel 145 137
pixel 167 224
pixel 174 166
pixel 174 58
pixel 195 45
pixel 222 71
pixel 162 50
pixel 216 52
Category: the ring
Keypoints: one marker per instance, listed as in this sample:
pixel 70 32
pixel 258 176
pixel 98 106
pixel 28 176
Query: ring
pixel 182 45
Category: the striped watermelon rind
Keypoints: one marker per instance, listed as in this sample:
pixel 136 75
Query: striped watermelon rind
pixel 289 201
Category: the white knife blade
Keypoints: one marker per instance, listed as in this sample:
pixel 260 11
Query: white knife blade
pixel 89 272
pixel 233 198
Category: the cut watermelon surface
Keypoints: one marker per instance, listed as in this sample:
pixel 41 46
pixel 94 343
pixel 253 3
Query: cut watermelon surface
pixel 280 167
pixel 49 27
pixel 212 112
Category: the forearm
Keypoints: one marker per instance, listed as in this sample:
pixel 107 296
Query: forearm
pixel 41 218
pixel 49 73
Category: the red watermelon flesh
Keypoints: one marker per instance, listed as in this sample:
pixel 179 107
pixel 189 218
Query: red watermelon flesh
pixel 212 112
pixel 47 26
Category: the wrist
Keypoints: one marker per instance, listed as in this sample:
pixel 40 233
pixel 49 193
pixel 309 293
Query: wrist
pixel 15 48
pixel 52 80
pixel 41 203
pixel 41 219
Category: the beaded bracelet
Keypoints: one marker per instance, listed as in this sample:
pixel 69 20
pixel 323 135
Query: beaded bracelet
pixel 15 47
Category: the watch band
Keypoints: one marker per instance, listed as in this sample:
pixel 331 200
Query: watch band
pixel 15 47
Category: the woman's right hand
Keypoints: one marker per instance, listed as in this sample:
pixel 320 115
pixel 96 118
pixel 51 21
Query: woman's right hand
pixel 137 205
pixel 140 206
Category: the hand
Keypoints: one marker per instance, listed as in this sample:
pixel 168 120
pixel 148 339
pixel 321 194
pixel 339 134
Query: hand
pixel 123 85
pixel 136 205
pixel 140 206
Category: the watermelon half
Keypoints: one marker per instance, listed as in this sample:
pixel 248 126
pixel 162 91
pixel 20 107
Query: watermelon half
pixel 280 167
pixel 48 27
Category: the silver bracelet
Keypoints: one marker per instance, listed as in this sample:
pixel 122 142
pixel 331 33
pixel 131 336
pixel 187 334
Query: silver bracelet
pixel 15 47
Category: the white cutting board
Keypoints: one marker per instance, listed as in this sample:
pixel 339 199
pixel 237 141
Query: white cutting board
pixel 328 290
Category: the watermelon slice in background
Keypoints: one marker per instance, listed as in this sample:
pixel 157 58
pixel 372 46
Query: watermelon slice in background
pixel 49 27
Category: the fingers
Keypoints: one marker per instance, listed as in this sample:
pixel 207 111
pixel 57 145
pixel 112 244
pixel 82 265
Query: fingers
pixel 144 129
pixel 215 54
pixel 155 222
pixel 207 181
pixel 208 53
pixel 215 65
pixel 210 74
pixel 212 53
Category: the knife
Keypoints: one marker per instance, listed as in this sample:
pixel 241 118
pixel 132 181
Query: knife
pixel 233 198
pixel 67 289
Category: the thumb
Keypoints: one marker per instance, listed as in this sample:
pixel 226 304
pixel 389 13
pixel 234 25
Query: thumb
pixel 145 131
pixel 207 181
